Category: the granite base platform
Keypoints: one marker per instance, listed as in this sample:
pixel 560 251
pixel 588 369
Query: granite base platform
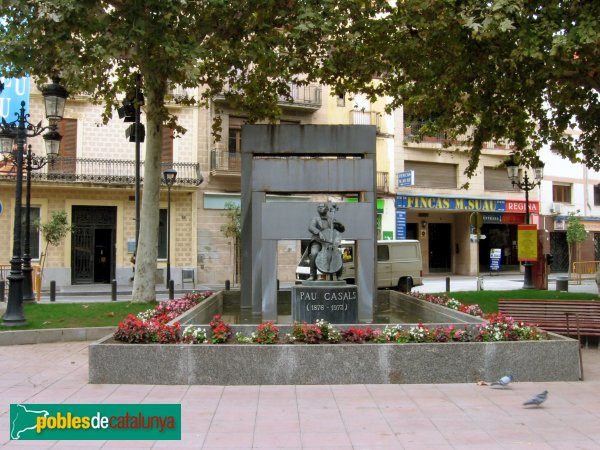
pixel 556 359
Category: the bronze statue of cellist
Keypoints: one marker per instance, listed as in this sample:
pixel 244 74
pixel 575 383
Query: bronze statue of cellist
pixel 324 253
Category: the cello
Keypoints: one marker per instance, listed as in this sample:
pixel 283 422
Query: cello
pixel 329 259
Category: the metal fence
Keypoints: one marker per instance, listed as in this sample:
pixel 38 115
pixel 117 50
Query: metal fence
pixel 109 171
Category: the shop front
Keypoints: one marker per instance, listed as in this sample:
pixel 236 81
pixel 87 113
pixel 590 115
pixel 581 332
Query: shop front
pixel 450 242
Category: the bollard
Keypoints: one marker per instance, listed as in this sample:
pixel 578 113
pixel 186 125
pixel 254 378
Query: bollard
pixel 52 291
pixel 227 285
pixel 171 289
pixel 2 289
pixel 113 289
pixel 447 284
pixel 480 283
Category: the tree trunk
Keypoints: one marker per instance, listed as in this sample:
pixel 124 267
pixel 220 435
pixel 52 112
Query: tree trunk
pixel 144 284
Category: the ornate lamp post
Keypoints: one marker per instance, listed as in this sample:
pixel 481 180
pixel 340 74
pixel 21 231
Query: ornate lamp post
pixel 32 162
pixel 13 141
pixel 169 176
pixel 525 184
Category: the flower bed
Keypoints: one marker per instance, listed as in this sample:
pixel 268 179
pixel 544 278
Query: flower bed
pixel 154 326
pixel 370 354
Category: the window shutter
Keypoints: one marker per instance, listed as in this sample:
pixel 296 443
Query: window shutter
pixel 167 145
pixel 496 180
pixel 67 152
pixel 433 175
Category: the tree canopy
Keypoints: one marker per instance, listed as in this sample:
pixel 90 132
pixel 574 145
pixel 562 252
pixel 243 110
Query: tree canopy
pixel 514 70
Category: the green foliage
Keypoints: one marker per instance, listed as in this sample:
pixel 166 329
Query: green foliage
pixel 488 300
pixel 233 227
pixel 516 70
pixel 575 230
pixel 75 315
pixel 55 230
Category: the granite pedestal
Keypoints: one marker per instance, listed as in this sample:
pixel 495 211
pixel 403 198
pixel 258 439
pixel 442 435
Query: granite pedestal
pixel 332 301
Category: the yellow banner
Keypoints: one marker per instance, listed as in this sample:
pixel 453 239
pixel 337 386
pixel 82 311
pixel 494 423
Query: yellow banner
pixel 527 242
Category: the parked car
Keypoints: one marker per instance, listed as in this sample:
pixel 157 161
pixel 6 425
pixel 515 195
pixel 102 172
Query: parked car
pixel 399 264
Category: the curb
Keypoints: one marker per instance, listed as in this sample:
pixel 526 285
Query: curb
pixel 22 337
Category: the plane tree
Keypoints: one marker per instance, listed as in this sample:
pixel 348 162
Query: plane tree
pixel 517 71
pixel 248 50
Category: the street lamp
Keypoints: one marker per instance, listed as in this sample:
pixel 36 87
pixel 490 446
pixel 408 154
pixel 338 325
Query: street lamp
pixel 13 141
pixel 32 162
pixel 525 184
pixel 169 176
pixel 130 112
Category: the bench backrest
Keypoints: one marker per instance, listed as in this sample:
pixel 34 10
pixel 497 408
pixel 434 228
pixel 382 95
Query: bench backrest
pixel 555 315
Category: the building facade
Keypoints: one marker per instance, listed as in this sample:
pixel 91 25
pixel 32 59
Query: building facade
pixel 93 181
pixel 569 188
pixel 439 205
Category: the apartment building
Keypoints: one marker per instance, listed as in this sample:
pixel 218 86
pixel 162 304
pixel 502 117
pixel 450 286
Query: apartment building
pixel 434 206
pixel 93 180
pixel 569 188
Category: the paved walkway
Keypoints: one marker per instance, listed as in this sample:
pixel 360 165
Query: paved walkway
pixel 442 416
pixel 323 417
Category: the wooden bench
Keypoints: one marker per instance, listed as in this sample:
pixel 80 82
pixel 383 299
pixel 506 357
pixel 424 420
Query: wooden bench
pixel 568 317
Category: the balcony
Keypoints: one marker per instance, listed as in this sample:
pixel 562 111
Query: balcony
pixel 359 117
pixel 103 171
pixel 382 183
pixel 411 137
pixel 225 163
pixel 305 98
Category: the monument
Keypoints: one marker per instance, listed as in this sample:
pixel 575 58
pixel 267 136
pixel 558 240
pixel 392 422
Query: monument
pixel 336 160
pixel 314 299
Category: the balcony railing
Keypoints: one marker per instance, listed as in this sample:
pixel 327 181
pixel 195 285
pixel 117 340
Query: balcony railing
pixel 303 97
pixel 358 117
pixel 411 135
pixel 109 171
pixel 225 162
pixel 383 186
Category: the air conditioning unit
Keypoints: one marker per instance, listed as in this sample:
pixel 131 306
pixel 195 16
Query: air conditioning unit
pixel 556 208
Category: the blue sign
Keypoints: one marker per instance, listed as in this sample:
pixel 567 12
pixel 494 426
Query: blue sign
pixel 15 91
pixel 406 178
pixel 1 207
pixel 400 224
pixel 492 218
pixel 495 257
pixel 404 201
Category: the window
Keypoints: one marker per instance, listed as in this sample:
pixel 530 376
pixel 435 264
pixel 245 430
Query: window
pixel 434 175
pixel 234 144
pixel 383 253
pixel 561 193
pixel 68 148
pixel 597 195
pixel 167 145
pixel 496 180
pixel 341 100
pixel 34 231
pixel 162 234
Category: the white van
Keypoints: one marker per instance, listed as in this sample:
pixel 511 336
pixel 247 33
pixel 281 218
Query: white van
pixel 399 264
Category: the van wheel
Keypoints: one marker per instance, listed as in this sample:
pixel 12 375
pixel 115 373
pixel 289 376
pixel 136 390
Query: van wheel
pixel 405 284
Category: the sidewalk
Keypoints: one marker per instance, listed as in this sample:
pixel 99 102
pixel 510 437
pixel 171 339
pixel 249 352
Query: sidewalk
pixel 449 416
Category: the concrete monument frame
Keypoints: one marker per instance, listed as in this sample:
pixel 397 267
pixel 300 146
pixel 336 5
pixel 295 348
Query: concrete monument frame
pixel 286 159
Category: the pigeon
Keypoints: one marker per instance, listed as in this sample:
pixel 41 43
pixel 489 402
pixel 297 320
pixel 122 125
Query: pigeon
pixel 537 400
pixel 504 381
